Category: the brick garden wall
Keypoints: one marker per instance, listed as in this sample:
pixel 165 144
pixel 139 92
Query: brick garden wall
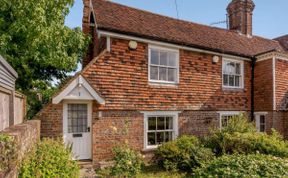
pixel 26 136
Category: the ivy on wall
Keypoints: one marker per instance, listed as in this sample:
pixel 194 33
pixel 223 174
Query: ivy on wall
pixel 8 152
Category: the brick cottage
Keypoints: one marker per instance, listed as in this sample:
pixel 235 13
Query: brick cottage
pixel 159 77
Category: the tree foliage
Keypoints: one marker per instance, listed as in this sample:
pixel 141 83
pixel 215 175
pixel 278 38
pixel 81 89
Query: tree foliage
pixel 35 41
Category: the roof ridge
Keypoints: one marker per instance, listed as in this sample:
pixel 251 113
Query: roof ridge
pixel 283 36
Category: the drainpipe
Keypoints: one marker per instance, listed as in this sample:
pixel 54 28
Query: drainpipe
pixel 253 59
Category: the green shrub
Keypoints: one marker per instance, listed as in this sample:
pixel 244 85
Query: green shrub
pixel 128 162
pixel 246 143
pixel 8 153
pixel 183 153
pixel 240 124
pixel 244 166
pixel 50 159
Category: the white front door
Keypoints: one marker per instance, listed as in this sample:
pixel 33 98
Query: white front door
pixel 77 128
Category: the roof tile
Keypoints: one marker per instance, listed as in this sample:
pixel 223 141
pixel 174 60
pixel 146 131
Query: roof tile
pixel 118 18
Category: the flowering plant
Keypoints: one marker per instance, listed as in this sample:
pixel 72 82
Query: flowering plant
pixel 127 162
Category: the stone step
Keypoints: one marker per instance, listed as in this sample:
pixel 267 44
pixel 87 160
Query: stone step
pixel 85 164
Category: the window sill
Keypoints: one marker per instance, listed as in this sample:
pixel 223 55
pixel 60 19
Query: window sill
pixel 153 83
pixel 232 89
pixel 147 150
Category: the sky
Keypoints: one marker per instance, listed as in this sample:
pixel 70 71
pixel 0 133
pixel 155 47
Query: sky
pixel 270 19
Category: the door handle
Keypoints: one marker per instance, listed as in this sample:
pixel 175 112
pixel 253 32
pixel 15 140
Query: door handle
pixel 88 129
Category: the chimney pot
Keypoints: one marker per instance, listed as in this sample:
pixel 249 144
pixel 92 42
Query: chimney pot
pixel 240 14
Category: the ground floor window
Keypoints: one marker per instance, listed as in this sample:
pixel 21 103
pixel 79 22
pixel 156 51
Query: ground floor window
pixel 260 122
pixel 160 127
pixel 225 116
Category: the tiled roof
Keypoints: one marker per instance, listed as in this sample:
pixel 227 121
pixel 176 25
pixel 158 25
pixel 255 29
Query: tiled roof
pixel 118 18
pixel 283 40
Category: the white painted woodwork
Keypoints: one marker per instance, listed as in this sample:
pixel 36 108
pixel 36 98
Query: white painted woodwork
pixel 81 146
pixel 78 89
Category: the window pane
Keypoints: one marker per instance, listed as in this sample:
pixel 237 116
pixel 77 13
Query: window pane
pixel 151 138
pixel 172 59
pixel 238 68
pixel 224 121
pixel 163 73
pixel 262 128
pixel 225 67
pixel 153 73
pixel 237 81
pixel 231 80
pixel 160 137
pixel 168 136
pixel 164 58
pixel 225 79
pixel 154 57
pixel 231 67
pixel 169 123
pixel 77 118
pixel 262 119
pixel 172 75
pixel 152 123
pixel 161 123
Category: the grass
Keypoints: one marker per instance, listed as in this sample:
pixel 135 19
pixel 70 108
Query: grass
pixel 151 171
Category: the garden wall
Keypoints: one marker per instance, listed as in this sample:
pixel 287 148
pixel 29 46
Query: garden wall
pixel 26 136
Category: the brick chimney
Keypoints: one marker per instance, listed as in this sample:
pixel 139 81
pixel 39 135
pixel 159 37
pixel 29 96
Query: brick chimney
pixel 240 13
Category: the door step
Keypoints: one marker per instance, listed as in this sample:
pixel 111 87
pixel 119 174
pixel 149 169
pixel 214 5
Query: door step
pixel 85 164
pixel 86 169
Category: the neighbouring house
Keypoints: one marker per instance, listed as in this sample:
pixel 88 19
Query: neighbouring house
pixel 160 77
pixel 12 103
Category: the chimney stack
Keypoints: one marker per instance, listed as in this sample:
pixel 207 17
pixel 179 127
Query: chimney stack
pixel 240 13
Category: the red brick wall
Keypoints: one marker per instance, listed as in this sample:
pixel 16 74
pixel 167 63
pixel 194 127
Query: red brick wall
pixel 130 129
pixel 281 84
pixel 51 117
pixel 278 121
pixel 122 78
pixel 96 44
pixel 198 122
pixel 263 86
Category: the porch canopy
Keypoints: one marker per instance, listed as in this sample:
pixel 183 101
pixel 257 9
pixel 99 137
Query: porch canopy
pixel 78 89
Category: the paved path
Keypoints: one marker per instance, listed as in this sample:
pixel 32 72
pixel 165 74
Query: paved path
pixel 86 170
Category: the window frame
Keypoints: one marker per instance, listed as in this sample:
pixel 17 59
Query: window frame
pixel 147 115
pixel 227 113
pixel 176 51
pixel 242 73
pixel 258 119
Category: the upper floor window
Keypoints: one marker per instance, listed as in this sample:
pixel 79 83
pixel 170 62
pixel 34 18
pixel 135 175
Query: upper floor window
pixel 163 65
pixel 233 73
